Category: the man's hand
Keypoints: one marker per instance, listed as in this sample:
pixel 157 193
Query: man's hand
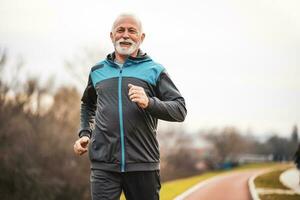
pixel 137 94
pixel 81 145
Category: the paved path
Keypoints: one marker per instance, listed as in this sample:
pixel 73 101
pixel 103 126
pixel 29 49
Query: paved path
pixel 232 186
pixel 290 178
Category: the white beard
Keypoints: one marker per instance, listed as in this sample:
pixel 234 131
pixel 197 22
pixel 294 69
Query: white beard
pixel 126 51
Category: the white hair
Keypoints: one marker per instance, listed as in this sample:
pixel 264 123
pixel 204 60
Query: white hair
pixel 128 15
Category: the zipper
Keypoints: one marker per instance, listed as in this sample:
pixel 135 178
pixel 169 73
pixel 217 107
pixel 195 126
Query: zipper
pixel 121 122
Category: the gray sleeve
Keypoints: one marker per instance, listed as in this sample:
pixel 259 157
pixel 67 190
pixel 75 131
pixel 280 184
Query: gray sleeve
pixel 168 105
pixel 87 110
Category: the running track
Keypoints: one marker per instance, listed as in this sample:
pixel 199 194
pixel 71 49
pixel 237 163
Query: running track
pixel 232 186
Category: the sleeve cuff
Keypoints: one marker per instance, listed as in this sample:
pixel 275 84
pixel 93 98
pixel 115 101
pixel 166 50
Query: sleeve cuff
pixel 150 104
pixel 85 132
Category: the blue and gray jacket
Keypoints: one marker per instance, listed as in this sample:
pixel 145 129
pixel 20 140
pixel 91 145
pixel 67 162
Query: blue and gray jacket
pixel 123 135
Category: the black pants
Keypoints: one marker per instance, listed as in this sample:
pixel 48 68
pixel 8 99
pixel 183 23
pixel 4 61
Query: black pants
pixel 140 185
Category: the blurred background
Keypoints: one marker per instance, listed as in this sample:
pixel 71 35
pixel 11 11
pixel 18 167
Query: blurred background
pixel 235 62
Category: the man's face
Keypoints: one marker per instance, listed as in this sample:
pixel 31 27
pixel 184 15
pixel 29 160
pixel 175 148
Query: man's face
pixel 126 36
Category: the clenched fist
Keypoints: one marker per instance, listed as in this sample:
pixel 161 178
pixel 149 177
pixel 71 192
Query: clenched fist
pixel 81 145
pixel 137 94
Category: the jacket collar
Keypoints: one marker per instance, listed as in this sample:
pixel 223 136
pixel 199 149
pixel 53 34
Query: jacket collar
pixel 141 57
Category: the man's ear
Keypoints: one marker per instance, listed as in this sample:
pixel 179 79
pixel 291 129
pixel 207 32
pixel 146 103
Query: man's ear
pixel 111 37
pixel 143 36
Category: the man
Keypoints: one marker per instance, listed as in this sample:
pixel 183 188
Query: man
pixel 126 94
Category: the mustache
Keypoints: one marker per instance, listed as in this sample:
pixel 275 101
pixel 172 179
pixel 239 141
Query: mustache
pixel 123 40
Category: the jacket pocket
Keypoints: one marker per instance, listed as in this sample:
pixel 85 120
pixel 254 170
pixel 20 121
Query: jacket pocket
pixel 97 148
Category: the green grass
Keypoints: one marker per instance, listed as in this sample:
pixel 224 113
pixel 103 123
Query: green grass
pixel 173 188
pixel 258 165
pixel 279 197
pixel 270 180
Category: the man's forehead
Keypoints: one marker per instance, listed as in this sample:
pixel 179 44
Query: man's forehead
pixel 127 22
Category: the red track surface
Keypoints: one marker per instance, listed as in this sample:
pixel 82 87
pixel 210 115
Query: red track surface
pixel 233 186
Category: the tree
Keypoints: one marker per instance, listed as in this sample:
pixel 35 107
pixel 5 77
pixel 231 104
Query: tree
pixel 294 136
pixel 279 147
pixel 294 141
pixel 227 144
pixel 178 155
pixel 37 160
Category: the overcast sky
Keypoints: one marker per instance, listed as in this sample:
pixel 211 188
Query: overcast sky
pixel 235 62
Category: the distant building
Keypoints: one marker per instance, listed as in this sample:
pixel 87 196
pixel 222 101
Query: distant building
pixel 253 158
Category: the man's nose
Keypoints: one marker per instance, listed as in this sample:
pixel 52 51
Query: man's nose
pixel 125 35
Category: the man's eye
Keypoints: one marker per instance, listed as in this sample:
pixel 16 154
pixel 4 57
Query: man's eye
pixel 120 30
pixel 132 31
